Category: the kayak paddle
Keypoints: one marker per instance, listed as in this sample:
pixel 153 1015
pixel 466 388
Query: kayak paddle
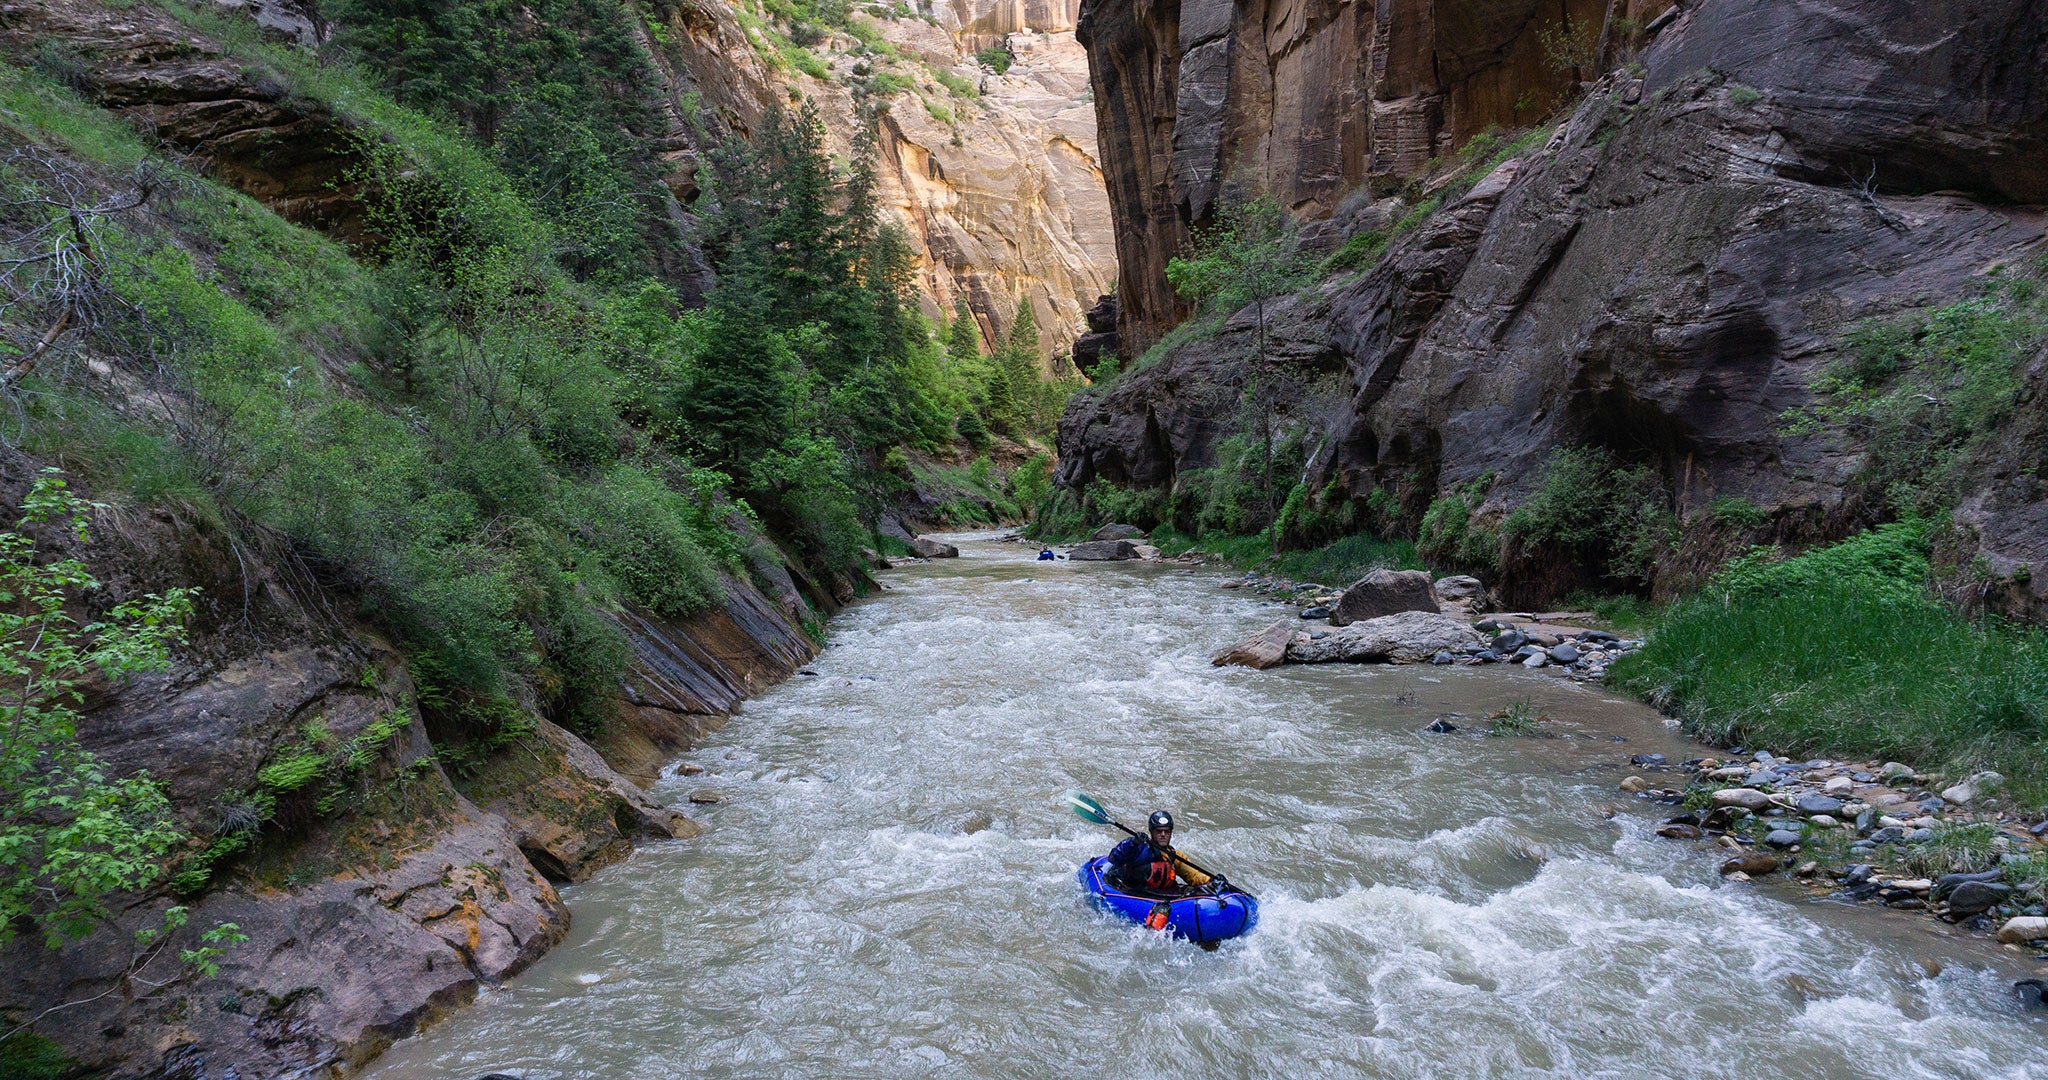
pixel 1087 809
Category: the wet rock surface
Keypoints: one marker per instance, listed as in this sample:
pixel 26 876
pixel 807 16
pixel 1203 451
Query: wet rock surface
pixel 1103 551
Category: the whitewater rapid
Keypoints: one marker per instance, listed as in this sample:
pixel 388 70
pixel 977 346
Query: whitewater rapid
pixel 886 888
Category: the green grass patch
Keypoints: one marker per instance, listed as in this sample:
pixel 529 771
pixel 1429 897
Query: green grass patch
pixel 1823 654
pixel 1343 561
pixel 806 61
pixel 1521 717
pixel 954 84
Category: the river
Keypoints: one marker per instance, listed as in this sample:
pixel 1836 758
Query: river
pixel 887 890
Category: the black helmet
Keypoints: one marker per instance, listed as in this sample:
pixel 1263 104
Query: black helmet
pixel 1160 819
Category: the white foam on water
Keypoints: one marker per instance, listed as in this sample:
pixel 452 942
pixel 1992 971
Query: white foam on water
pixel 1431 906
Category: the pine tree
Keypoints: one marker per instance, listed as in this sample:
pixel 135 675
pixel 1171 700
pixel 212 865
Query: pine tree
pixel 1016 370
pixel 963 337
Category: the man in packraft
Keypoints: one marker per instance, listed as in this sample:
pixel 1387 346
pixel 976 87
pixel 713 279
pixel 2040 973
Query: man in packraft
pixel 1152 865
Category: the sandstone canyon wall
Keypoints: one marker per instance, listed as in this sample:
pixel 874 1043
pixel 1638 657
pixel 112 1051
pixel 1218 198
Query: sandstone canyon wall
pixel 1309 100
pixel 1665 278
pixel 999 188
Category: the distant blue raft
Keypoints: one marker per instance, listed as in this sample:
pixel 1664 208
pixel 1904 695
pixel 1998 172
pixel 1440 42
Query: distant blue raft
pixel 1200 918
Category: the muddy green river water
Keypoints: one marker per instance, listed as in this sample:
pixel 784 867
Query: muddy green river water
pixel 887 889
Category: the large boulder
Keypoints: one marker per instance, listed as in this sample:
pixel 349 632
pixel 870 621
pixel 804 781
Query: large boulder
pixel 1265 649
pixel 1384 592
pixel 924 547
pixel 1118 531
pixel 1408 637
pixel 1103 551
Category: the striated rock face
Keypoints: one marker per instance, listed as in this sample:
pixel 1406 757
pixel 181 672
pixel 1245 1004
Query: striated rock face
pixel 1306 99
pixel 183 88
pixel 1664 279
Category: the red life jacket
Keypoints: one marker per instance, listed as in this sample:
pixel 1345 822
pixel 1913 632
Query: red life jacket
pixel 1159 873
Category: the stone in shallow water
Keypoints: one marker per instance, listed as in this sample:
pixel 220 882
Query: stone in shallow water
pixel 1781 838
pixel 1752 863
pixel 1441 726
pixel 1747 798
pixel 2024 928
pixel 1819 804
pixel 1973 897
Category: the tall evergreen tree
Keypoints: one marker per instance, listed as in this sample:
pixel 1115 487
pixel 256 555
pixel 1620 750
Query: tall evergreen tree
pixel 963 337
pixel 1015 374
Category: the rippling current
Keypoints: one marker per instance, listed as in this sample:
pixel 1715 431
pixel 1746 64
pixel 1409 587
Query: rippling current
pixel 887 888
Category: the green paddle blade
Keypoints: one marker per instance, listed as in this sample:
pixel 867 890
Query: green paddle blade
pixel 1086 808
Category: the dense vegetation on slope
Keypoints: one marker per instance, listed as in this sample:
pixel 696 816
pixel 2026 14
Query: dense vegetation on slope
pixel 494 423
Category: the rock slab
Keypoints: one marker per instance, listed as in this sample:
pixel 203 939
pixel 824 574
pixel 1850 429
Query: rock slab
pixel 1103 551
pixel 925 547
pixel 1265 649
pixel 1409 637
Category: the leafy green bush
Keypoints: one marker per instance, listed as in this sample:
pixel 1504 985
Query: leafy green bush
pixel 996 58
pixel 1108 502
pixel 641 531
pixel 1615 517
pixel 1031 482
pixel 70 836
pixel 885 84
pixel 1738 512
pixel 954 84
pixel 1928 396
pixel 1358 252
pixel 806 61
pixel 1451 536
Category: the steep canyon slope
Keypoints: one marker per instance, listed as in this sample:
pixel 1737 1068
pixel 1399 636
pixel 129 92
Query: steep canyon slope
pixel 1665 277
pixel 386 836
